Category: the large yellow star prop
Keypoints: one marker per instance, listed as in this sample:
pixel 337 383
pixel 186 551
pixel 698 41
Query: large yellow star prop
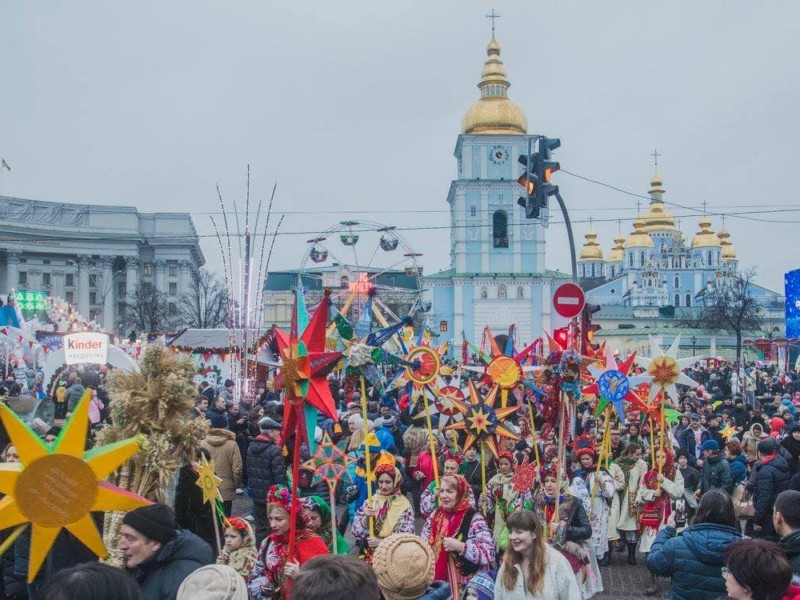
pixel 664 370
pixel 207 480
pixel 55 488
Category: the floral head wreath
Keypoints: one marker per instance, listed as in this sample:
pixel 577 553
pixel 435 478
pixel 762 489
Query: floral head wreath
pixel 584 444
pixel 548 470
pixel 280 496
pixel 507 455
pixel 240 525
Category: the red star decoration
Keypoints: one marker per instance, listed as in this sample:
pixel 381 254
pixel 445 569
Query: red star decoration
pixel 524 476
pixel 313 368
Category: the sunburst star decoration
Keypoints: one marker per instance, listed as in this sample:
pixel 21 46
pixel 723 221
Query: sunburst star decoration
pixel 664 370
pixel 612 382
pixel 55 488
pixel 482 421
pixel 207 480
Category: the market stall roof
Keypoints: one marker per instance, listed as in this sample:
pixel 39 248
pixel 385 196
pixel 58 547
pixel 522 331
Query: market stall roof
pixel 213 339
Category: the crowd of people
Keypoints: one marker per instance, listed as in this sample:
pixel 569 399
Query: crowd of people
pixel 712 503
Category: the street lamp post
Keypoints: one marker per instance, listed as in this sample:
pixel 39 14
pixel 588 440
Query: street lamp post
pixel 694 345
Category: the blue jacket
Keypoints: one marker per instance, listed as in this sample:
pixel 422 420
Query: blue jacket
pixel 693 559
pixel 688 444
pixel 738 469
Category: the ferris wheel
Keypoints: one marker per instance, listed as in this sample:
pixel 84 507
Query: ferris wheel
pixel 359 260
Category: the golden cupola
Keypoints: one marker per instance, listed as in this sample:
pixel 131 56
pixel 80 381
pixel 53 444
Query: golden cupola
pixel 728 251
pixel 494 113
pixel 638 237
pixel 617 253
pixel 658 218
pixel 591 249
pixel 705 238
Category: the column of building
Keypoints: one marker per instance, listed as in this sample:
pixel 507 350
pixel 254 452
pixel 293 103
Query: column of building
pixel 184 277
pixel 131 277
pixel 160 276
pixel 107 289
pixel 83 285
pixel 12 269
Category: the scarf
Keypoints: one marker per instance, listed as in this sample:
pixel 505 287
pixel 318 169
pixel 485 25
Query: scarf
pixel 446 523
pixel 319 505
pixel 658 509
pixel 626 464
pixel 389 507
pixel 307 545
pixel 242 559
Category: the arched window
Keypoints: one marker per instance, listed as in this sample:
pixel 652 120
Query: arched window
pixel 677 282
pixel 630 260
pixel 344 281
pixel 500 229
pixel 502 292
pixel 593 275
pixel 677 299
pixel 710 258
pixel 641 259
pixel 484 294
pixel 613 271
pixel 520 292
pixel 688 299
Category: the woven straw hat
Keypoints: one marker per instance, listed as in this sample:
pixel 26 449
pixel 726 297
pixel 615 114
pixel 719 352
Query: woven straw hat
pixel 403 564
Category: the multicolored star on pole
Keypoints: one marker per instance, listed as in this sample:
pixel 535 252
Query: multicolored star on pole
pixel 482 421
pixel 329 462
pixel 305 367
pixel 58 487
pixel 664 370
pixel 612 382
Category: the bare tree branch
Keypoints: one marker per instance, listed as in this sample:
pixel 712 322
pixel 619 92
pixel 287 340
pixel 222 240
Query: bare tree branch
pixel 205 304
pixel 146 310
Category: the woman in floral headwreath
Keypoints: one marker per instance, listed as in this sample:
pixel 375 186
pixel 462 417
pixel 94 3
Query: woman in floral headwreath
pixel 240 550
pixel 458 534
pixel 274 565
pixel 655 495
pixel 390 509
pixel 500 495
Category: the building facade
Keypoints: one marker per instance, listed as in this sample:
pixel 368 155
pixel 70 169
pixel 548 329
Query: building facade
pixel 656 280
pixel 497 275
pixel 95 257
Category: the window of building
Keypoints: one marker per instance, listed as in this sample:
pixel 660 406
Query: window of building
pixel 122 288
pixel 520 292
pixel 173 289
pixel 630 260
pixel 710 258
pixel 147 287
pixel 70 297
pixel 613 271
pixel 69 280
pixel 92 280
pixel 120 309
pixel 172 267
pixel 502 292
pixel 344 281
pixel 92 297
pixel 147 269
pixel 500 229
pixel 45 278
pixel 45 262
pixel 593 270
pixel 473 211
pixel 677 282
pixel 172 309
pixel 688 299
pixel 22 278
pixel 641 259
pixel 677 299
pixel 484 293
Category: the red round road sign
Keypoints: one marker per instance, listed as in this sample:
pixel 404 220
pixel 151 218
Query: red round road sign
pixel 568 300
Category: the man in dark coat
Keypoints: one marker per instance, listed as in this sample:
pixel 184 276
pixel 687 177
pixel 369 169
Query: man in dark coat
pixel 786 520
pixel 217 414
pixel 159 555
pixel 691 440
pixel 770 478
pixel 716 472
pixel 265 467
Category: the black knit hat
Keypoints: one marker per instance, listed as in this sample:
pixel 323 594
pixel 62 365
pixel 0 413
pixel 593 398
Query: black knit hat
pixel 155 521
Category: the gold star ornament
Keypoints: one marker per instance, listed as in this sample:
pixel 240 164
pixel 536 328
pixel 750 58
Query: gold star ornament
pixel 664 370
pixel 483 422
pixel 207 480
pixel 55 488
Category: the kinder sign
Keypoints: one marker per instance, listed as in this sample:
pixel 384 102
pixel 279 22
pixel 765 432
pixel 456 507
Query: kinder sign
pixel 86 348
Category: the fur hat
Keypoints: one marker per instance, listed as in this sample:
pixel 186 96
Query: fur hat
pixel 213 582
pixel 404 565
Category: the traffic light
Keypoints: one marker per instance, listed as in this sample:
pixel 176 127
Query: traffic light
pixel 587 328
pixel 561 335
pixel 547 166
pixel 536 178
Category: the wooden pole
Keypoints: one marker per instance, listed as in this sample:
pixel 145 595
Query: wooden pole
pixel 662 399
pixel 332 492
pixel 534 437
pixel 600 454
pixel 561 449
pixel 431 441
pixel 367 461
pixel 483 477
pixel 215 518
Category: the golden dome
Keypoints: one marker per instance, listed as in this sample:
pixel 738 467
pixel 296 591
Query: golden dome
pixel 591 249
pixel 638 237
pixel 705 238
pixel 728 251
pixel 617 252
pixel 494 113
pixel 658 218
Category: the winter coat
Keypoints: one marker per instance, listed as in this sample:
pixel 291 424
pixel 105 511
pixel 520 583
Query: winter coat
pixel 559 581
pixel 265 467
pixel 161 575
pixel 74 394
pixel 793 447
pixel 221 443
pixel 688 443
pixel 716 474
pixel 791 545
pixel 191 513
pixel 771 479
pixel 738 466
pixel 693 559
pixel 217 418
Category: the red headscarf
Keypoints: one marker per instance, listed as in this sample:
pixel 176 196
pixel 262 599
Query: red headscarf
pixel 445 522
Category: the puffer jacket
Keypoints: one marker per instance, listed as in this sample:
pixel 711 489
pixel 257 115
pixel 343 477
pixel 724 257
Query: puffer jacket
pixel 265 467
pixel 693 559
pixel 791 545
pixel 221 444
pixel 160 576
pixel 770 480
pixel 738 469
pixel 716 474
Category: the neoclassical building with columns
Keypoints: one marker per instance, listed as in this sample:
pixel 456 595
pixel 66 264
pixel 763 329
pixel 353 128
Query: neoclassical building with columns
pixel 95 256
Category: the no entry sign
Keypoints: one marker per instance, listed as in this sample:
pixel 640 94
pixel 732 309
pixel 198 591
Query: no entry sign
pixel 568 300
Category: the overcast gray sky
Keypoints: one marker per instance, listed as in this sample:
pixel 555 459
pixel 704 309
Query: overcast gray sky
pixel 355 106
